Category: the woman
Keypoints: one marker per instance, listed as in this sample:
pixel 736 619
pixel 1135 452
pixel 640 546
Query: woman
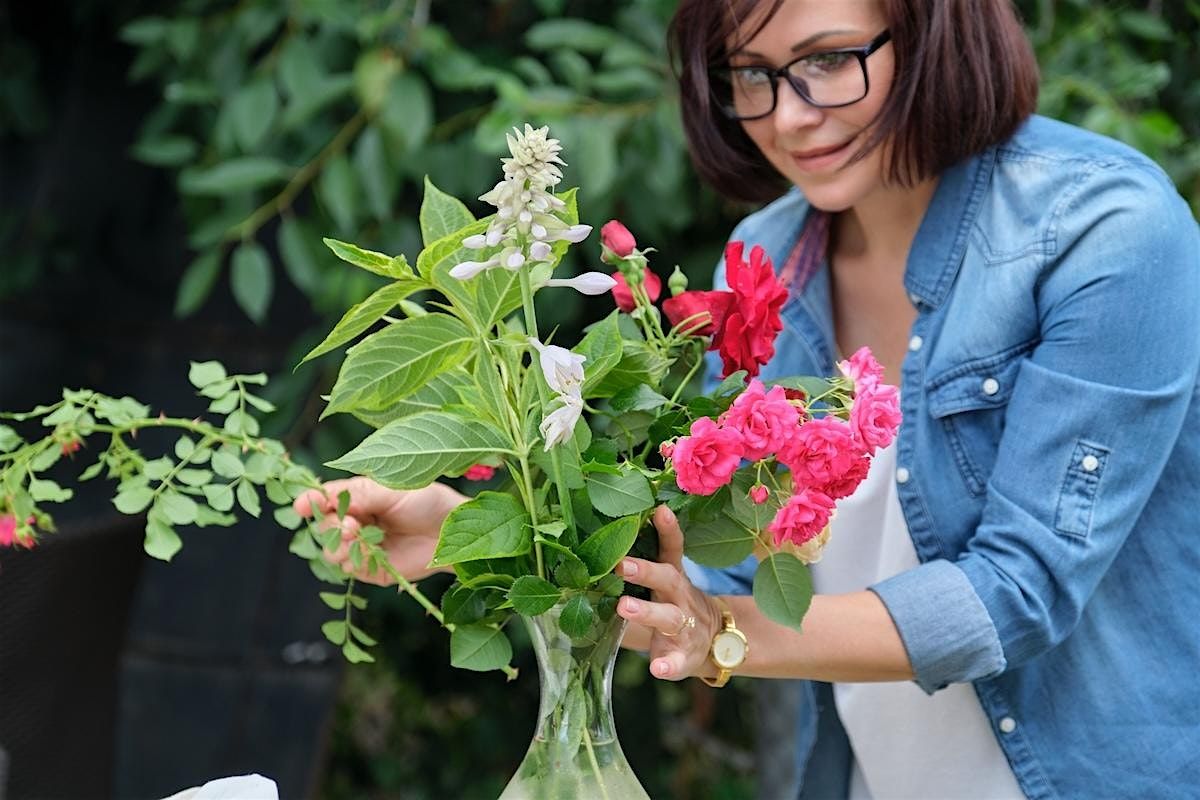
pixel 1006 606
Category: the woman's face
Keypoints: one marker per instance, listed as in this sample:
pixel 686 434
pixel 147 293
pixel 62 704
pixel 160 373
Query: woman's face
pixel 812 147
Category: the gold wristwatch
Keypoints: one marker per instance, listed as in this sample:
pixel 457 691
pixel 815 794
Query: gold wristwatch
pixel 729 648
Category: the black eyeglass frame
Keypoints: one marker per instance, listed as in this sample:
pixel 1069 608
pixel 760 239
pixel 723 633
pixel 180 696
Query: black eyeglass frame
pixel 798 85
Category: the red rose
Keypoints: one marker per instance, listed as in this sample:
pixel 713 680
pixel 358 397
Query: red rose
pixel 689 304
pixel 623 295
pixel 747 339
pixel 616 237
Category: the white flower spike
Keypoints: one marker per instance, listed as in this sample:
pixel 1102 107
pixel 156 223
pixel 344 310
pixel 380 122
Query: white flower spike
pixel 562 369
pixel 592 283
pixel 559 425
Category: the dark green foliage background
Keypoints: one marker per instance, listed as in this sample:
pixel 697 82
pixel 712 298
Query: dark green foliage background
pixel 281 122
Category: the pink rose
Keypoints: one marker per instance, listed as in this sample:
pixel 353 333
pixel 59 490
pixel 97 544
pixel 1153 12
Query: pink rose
pixel 616 237
pixel 623 295
pixel 758 494
pixel 765 419
pixel 479 472
pixel 804 517
pixel 821 452
pixel 8 530
pixel 862 368
pixel 875 416
pixel 845 485
pixel 706 460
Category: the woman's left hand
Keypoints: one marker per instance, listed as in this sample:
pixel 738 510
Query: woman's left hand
pixel 681 618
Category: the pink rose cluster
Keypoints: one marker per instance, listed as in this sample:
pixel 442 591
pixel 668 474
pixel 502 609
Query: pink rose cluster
pixel 828 458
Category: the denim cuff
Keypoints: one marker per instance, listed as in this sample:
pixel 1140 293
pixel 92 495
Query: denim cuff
pixel 947 631
pixel 738 579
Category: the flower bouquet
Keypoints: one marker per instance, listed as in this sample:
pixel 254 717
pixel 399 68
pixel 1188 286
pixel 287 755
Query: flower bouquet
pixel 588 440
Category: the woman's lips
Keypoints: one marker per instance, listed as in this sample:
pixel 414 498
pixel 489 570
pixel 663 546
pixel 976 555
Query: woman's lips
pixel 819 158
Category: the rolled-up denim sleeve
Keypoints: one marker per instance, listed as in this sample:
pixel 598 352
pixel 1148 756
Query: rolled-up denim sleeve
pixel 1094 414
pixel 738 579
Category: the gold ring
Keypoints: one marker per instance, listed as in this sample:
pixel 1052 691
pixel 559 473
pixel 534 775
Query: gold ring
pixel 688 622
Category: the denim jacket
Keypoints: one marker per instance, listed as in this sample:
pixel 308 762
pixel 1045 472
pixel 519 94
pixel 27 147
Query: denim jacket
pixel 1049 459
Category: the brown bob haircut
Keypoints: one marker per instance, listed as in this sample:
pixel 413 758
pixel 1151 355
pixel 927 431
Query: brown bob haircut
pixel 965 79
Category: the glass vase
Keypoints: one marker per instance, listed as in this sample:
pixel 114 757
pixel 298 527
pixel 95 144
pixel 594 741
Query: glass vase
pixel 575 754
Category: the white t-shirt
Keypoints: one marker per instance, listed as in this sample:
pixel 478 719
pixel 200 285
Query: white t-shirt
pixel 906 744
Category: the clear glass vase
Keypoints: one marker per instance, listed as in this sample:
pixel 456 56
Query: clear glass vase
pixel 575 754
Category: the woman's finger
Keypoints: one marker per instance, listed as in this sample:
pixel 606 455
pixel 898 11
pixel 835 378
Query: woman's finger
pixel 670 666
pixel 349 528
pixel 666 618
pixel 670 537
pixel 654 576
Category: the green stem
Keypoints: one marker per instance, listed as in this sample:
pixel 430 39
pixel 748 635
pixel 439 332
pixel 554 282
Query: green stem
pixel 304 176
pixel 564 498
pixel 587 742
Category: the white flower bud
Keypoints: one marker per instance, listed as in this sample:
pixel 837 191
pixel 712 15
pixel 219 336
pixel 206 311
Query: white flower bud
pixel 592 283
pixel 559 425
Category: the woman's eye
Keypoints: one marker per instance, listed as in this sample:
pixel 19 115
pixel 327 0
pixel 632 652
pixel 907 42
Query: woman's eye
pixel 750 78
pixel 824 63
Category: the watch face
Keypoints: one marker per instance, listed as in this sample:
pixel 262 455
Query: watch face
pixel 728 650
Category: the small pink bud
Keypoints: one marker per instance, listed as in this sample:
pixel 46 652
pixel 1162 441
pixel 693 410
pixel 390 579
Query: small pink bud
pixel 479 472
pixel 71 447
pixel 758 494
pixel 617 238
pixel 666 449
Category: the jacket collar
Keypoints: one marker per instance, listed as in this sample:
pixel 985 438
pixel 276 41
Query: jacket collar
pixel 941 240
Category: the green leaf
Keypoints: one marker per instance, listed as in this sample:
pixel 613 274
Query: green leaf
pixel 783 589
pixel 398 360
pixel 162 542
pixel 619 495
pixel 204 373
pixel 335 631
pixel 48 491
pixel 577 617
pixel 479 647
pixel 363 316
pixel 233 176
pixel 610 585
pixel 491 525
pixel 373 73
pixel 408 114
pixel 571 572
pixel 194 477
pixel 413 451
pixel 637 398
pixel 603 549
pixel 9 439
pixel 334 600
pixel 444 390
pixel 134 500
pixel 463 605
pixel 356 655
pixel 296 249
pixel 253 109
pixel 252 280
pixel 178 508
pixel 639 364
pixel 575 34
pixel 227 465
pixel 197 282
pixel 378 263
pixel 720 542
pixel 286 517
pixel 602 347
pixel 441 214
pixel 338 188
pixel 247 497
pixel 531 595
pixel 379 180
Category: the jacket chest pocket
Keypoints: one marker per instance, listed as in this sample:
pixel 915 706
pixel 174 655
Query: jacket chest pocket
pixel 970 401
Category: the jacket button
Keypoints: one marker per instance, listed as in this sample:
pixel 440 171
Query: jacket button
pixel 1090 463
pixel 902 475
pixel 991 386
pixel 1008 725
pixel 915 343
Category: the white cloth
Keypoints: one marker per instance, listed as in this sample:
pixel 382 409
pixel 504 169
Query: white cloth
pixel 906 744
pixel 240 787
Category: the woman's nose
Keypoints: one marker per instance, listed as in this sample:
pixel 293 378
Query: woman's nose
pixel 792 111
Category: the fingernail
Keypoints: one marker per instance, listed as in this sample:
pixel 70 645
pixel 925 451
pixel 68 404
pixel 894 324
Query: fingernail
pixel 628 568
pixel 632 606
pixel 668 515
pixel 662 669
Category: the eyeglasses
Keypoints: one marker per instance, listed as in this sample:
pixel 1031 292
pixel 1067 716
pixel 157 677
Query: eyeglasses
pixel 829 79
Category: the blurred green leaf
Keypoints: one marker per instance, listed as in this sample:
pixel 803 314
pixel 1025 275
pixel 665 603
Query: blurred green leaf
pixel 197 282
pixel 253 109
pixel 252 280
pixel 236 175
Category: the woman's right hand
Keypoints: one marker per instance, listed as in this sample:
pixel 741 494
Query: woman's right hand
pixel 410 520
